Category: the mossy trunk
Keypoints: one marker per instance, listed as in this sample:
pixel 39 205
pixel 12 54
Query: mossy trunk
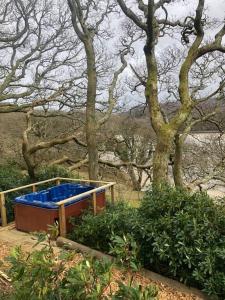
pixel 161 159
pixel 178 166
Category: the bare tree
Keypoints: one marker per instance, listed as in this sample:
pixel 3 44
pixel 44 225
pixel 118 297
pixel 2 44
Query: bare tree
pixel 205 170
pixel 40 60
pixel 88 18
pixel 129 147
pixel 203 74
pixel 31 146
pixel 192 34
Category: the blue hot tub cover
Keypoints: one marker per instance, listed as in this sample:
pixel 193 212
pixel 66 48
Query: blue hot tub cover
pixel 48 198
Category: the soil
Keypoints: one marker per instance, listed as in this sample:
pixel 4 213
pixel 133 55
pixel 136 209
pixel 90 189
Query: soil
pixel 166 291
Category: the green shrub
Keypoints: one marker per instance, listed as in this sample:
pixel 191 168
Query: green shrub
pixel 183 236
pixel 96 231
pixel 136 293
pixel 48 172
pixel 11 177
pixel 38 276
pixel 126 251
pixel 178 234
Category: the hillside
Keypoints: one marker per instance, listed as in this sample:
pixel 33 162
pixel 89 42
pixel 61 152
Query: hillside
pixel 12 126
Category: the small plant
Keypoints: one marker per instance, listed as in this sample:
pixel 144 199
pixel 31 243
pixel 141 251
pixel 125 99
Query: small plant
pixel 39 276
pixel 136 292
pixel 53 231
pixel 126 251
pixel 34 276
pixel 88 280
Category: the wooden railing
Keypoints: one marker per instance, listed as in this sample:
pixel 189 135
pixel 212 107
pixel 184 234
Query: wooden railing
pixel 62 217
pixel 61 204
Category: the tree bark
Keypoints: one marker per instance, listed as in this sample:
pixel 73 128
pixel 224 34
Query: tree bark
pixel 29 163
pixel 135 182
pixel 91 123
pixel 161 158
pixel 178 158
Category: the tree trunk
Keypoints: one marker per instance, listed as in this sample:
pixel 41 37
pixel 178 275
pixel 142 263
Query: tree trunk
pixel 91 131
pixel 177 167
pixel 29 163
pixel 86 36
pixel 161 159
pixel 25 148
pixel 135 182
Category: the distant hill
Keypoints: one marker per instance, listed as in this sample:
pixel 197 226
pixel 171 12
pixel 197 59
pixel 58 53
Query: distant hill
pixel 12 126
pixel 170 108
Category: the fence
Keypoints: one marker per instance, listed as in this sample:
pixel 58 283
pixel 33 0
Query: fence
pixel 61 204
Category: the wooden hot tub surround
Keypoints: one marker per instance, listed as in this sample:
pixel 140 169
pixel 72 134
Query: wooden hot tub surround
pixel 35 218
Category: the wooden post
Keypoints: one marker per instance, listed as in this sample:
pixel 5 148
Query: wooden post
pixel 34 188
pixel 62 220
pixel 94 203
pixel 57 182
pixel 112 194
pixel 3 211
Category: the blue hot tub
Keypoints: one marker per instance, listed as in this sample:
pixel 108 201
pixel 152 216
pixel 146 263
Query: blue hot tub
pixel 35 211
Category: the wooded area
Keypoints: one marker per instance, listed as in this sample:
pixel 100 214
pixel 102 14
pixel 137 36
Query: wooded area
pixel 94 68
pixel 120 100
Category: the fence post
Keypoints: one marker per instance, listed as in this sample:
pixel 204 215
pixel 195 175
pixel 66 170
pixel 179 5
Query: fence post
pixel 62 220
pixel 3 211
pixel 34 188
pixel 94 203
pixel 112 194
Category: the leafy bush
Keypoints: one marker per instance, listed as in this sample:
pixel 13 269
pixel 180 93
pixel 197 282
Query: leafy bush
pixel 48 172
pixel 90 279
pixel 178 234
pixel 38 276
pixel 183 236
pixel 11 177
pixel 96 231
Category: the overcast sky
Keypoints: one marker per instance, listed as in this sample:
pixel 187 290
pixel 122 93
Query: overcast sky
pixel 179 10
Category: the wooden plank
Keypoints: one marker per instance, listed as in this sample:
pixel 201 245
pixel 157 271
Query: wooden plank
pixel 68 244
pixel 86 193
pixel 94 203
pixel 112 194
pixel 62 221
pixel 3 211
pixel 29 185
